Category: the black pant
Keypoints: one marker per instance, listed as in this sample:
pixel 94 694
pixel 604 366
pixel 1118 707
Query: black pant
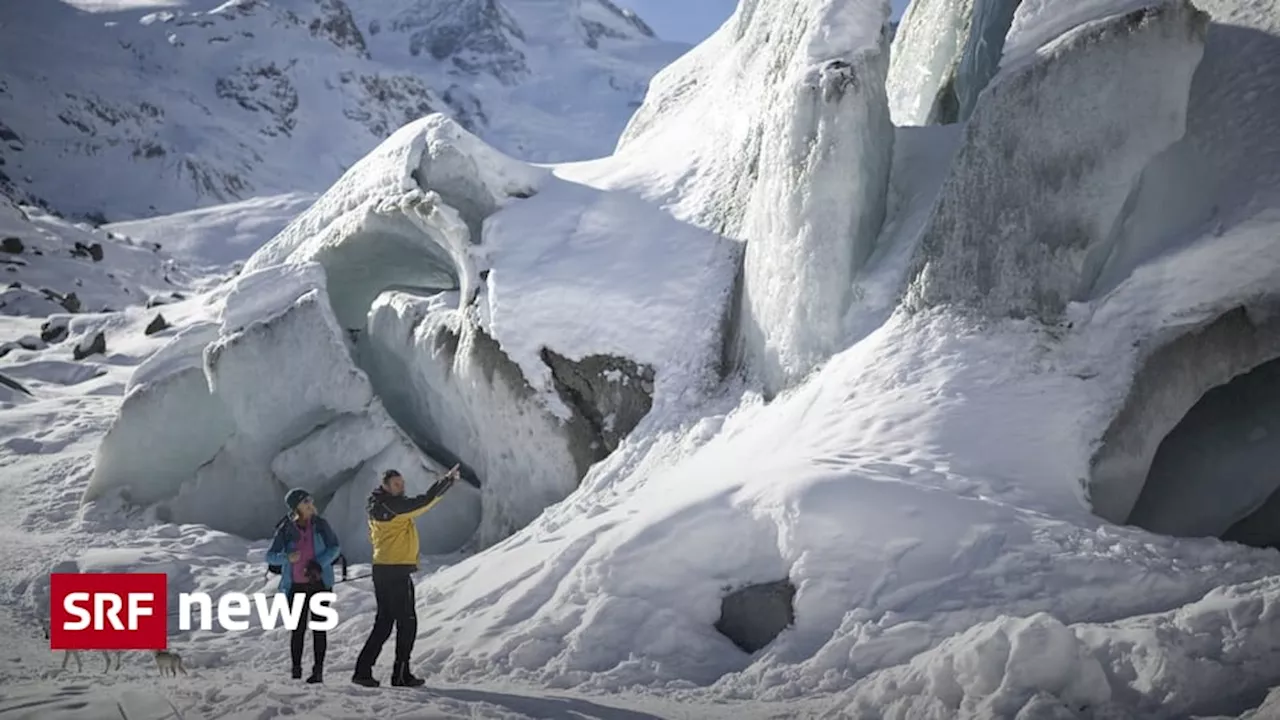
pixel 393 589
pixel 319 638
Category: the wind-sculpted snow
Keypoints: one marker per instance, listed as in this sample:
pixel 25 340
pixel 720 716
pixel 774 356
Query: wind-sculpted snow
pixel 1049 158
pixel 792 157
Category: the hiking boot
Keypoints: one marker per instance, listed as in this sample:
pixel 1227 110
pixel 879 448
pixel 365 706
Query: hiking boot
pixel 365 680
pixel 401 677
pixel 317 676
pixel 297 672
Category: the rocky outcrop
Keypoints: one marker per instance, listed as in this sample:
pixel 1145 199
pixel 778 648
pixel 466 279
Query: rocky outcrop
pixel 611 394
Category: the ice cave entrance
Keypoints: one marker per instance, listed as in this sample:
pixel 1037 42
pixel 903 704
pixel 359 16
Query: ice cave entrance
pixel 1217 473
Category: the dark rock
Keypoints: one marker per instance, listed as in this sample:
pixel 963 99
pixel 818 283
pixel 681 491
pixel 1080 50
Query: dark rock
pixel 159 324
pixel 754 615
pixel 70 302
pixel 95 252
pixel 37 251
pixel 11 383
pixel 612 393
pixel 54 330
pixel 30 342
pixel 15 285
pixel 12 245
pixel 95 346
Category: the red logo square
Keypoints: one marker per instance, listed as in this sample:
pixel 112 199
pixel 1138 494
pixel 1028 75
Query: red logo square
pixel 108 611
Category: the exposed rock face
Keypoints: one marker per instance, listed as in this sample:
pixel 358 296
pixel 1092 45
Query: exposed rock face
pixel 158 324
pixel 91 345
pixel 754 615
pixel 1049 159
pixel 611 393
pixel 474 35
pixel 300 90
pixel 12 384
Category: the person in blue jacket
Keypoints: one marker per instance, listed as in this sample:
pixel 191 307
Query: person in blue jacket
pixel 304 548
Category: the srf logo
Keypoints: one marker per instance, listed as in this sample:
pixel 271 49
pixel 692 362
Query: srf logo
pixel 108 611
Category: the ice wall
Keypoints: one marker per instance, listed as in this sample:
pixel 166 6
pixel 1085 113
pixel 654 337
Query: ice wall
pixel 168 425
pixel 982 50
pixel 266 399
pixel 1223 170
pixel 1176 371
pixel 925 59
pixel 792 155
pixel 408 214
pixel 456 391
pixel 1049 158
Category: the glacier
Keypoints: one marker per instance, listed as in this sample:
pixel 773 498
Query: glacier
pixel 1000 461
pixel 413 280
pixel 1015 241
pixel 800 177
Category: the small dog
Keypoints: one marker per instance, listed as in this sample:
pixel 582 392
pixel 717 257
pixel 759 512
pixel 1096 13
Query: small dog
pixel 169 663
pixel 68 655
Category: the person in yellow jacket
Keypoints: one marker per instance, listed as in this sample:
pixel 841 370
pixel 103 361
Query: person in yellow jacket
pixel 395 558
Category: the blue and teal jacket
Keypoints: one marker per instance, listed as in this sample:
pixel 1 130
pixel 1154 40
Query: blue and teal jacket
pixel 286 541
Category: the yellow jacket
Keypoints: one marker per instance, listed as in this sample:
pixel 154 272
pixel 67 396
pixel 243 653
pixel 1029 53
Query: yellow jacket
pixel 391 524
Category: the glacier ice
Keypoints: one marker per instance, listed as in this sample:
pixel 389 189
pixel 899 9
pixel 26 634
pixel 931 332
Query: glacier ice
pixel 982 52
pixel 407 214
pixel 168 425
pixel 1218 465
pixel 1049 159
pixel 793 158
pixel 1222 171
pixel 447 528
pixel 451 385
pixel 924 60
pixel 944 54
pixel 532 390
pixel 1175 374
pixel 221 433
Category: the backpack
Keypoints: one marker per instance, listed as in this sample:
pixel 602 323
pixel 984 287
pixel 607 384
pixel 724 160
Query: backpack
pixel 277 569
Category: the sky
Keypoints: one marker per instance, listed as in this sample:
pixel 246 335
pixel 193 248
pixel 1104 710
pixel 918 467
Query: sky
pixel 692 21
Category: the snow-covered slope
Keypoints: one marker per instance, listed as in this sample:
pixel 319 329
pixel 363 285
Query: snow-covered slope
pixel 965 505
pixel 128 112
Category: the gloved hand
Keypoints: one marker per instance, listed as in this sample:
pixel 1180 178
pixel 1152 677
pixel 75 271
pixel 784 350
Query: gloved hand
pixel 314 571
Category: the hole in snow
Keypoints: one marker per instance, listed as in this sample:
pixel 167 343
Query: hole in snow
pixel 754 615
pixel 1217 473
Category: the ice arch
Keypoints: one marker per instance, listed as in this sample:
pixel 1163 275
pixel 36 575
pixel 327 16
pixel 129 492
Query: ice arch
pixel 1185 455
